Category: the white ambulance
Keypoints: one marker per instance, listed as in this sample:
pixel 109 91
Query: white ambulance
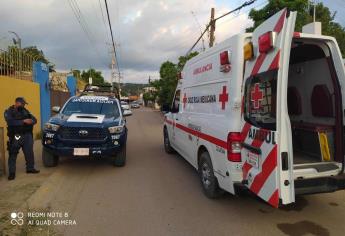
pixel 264 111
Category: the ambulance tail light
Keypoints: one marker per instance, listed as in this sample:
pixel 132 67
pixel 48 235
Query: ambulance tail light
pixel 266 41
pixel 234 146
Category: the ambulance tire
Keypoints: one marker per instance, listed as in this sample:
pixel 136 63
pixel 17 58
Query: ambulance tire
pixel 208 180
pixel 167 147
pixel 48 159
pixel 120 159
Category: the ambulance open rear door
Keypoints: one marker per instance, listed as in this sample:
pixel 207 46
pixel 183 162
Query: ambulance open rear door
pixel 266 152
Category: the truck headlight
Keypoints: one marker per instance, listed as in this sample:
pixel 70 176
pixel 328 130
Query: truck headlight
pixel 115 129
pixel 51 127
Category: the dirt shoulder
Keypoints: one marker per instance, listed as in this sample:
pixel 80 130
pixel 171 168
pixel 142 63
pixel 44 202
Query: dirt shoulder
pixel 15 194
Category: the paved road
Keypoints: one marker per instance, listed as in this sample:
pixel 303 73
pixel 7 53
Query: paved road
pixel 160 194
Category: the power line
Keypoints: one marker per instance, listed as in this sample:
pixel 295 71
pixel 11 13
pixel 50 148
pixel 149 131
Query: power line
pixel 244 12
pixel 199 26
pixel 103 18
pixel 84 25
pixel 247 3
pixel 112 38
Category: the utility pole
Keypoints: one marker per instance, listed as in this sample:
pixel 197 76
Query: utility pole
pixel 213 23
pixel 114 58
pixel 212 28
pixel 113 72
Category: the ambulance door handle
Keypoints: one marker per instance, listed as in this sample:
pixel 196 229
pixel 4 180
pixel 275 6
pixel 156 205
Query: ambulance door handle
pixel 251 148
pixel 285 160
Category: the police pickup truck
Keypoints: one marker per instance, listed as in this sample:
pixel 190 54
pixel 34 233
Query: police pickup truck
pixel 87 125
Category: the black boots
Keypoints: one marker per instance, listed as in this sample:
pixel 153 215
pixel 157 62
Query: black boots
pixel 33 171
pixel 11 176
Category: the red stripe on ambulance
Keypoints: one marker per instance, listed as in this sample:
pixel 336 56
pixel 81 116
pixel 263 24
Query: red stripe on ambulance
pixel 204 136
pixel 258 63
pixel 278 27
pixel 275 62
pixel 267 167
pixel 274 199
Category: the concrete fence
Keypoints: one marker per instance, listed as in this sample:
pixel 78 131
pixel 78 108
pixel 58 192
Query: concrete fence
pixel 2 152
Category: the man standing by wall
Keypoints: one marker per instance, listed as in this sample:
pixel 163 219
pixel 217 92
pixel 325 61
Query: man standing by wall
pixel 20 124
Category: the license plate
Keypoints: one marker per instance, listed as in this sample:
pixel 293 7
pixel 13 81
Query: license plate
pixel 253 159
pixel 81 151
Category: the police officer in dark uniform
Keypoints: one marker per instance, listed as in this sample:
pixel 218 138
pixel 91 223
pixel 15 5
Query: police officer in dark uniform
pixel 20 124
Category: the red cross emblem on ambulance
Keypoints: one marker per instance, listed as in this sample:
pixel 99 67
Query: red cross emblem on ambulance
pixel 184 100
pixel 256 96
pixel 223 97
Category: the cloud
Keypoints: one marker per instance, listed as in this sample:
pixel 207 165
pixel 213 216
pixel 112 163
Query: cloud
pixel 147 32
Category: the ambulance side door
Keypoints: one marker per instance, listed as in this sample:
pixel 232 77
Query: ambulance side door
pixel 267 148
pixel 174 113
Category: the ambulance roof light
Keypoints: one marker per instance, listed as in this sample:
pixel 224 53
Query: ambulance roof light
pixel 266 41
pixel 248 52
pixel 224 58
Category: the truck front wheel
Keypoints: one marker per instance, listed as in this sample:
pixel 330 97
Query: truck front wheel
pixel 49 160
pixel 119 159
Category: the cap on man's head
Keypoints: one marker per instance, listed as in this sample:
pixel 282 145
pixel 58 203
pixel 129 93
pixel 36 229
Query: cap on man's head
pixel 21 100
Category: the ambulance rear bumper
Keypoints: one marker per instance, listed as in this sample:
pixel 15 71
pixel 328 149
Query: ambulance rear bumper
pixel 320 185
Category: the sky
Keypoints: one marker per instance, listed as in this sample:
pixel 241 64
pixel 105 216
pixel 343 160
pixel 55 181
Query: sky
pixel 146 32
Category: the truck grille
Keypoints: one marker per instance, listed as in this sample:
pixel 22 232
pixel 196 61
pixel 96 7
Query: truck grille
pixel 82 133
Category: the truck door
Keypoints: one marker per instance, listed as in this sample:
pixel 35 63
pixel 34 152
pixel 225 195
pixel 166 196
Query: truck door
pixel 266 153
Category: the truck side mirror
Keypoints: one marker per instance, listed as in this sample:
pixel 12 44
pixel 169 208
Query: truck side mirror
pixel 127 113
pixel 56 109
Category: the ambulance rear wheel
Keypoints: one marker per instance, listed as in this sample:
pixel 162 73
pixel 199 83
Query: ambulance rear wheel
pixel 209 182
pixel 48 159
pixel 167 147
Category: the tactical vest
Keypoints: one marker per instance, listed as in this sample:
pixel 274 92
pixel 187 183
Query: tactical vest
pixel 19 115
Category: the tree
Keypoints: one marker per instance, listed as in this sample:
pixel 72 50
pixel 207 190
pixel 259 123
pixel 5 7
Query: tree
pixel 22 59
pixel 96 76
pixel 304 16
pixel 166 85
pixel 36 53
pixel 76 74
pixel 148 96
pixel 182 60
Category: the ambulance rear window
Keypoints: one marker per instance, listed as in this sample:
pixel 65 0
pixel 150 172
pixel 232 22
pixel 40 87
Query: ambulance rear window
pixel 260 100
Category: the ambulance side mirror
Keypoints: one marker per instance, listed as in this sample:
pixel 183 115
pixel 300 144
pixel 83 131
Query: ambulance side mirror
pixel 165 108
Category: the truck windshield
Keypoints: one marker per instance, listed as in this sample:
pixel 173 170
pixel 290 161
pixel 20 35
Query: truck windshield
pixel 260 100
pixel 107 108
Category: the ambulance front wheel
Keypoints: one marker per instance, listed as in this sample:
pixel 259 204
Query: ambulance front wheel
pixel 167 147
pixel 209 182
